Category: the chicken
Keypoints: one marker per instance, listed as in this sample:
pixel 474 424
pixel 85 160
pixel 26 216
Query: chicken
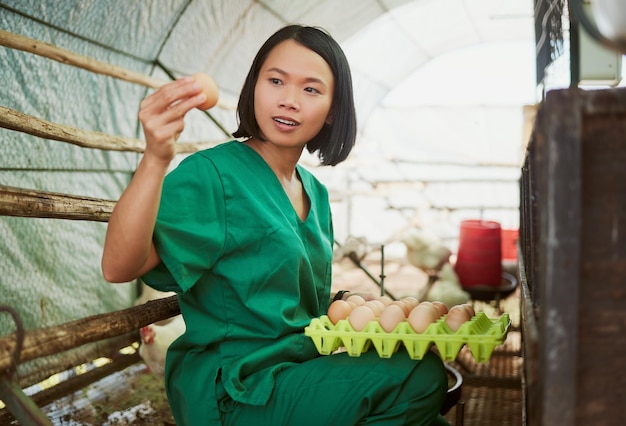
pixel 447 288
pixel 355 248
pixel 425 251
pixel 155 339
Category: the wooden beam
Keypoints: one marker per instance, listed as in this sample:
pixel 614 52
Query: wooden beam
pixel 76 383
pixel 18 121
pixel 28 203
pixel 50 51
pixel 559 197
pixel 52 340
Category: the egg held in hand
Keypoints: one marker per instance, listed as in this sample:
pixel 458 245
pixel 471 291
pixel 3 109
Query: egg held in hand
pixel 208 88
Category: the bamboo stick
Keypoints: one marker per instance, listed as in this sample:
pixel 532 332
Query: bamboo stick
pixel 50 51
pixel 15 120
pixel 52 340
pixel 29 203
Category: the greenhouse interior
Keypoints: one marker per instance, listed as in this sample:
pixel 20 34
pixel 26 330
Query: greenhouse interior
pixel 487 173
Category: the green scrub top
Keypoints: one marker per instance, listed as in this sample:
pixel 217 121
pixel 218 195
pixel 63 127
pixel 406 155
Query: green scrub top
pixel 249 272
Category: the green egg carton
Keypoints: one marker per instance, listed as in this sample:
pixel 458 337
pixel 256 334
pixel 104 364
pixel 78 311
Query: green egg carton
pixel 481 334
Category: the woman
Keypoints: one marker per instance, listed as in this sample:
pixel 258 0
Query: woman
pixel 244 235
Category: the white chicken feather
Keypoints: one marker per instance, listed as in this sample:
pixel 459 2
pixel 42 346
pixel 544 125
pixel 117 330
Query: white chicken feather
pixel 425 251
pixel 155 339
pixel 447 288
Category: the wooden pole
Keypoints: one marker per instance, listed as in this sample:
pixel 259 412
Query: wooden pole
pixel 67 57
pixel 46 50
pixel 15 120
pixel 28 203
pixel 107 348
pixel 52 340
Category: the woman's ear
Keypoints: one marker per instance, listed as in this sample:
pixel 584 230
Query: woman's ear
pixel 329 119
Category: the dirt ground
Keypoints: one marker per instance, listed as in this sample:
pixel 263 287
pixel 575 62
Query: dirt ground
pixel 132 396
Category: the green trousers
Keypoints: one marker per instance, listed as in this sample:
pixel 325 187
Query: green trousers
pixel 344 391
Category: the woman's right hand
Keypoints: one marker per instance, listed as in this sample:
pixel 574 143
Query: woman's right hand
pixel 162 116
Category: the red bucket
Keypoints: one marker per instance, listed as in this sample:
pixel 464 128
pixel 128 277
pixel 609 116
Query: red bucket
pixel 479 258
pixel 509 244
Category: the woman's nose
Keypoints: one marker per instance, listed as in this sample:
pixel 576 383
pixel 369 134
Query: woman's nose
pixel 290 99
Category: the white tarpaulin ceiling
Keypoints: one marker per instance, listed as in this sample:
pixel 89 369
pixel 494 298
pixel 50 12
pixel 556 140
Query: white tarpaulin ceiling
pixel 406 91
pixel 440 87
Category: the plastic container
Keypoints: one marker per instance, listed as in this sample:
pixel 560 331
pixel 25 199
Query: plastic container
pixel 509 244
pixel 481 334
pixel 479 257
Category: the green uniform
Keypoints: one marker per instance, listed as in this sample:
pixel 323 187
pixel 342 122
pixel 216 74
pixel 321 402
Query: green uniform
pixel 250 276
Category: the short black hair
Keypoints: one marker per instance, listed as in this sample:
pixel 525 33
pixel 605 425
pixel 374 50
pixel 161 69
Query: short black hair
pixel 336 139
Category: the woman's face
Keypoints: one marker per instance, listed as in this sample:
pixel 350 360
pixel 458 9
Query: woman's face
pixel 293 95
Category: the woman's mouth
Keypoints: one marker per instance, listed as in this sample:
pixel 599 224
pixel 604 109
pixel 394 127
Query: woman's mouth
pixel 286 122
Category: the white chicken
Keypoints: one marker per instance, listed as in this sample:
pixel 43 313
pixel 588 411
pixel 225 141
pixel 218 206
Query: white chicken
pixel 447 288
pixel 148 293
pixel 355 248
pixel 425 251
pixel 155 339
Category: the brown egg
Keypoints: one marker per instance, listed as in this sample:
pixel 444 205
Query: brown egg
pixel 209 89
pixel 375 305
pixel 441 307
pixel 456 317
pixel 469 308
pixel 411 301
pixel 356 299
pixel 405 307
pixel 360 316
pixel 391 316
pixel 338 310
pixel 422 316
pixel 385 299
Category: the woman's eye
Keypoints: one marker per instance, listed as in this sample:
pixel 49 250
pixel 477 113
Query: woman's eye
pixel 311 90
pixel 275 81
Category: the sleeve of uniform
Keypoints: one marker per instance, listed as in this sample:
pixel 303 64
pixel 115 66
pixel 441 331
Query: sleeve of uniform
pixel 191 228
